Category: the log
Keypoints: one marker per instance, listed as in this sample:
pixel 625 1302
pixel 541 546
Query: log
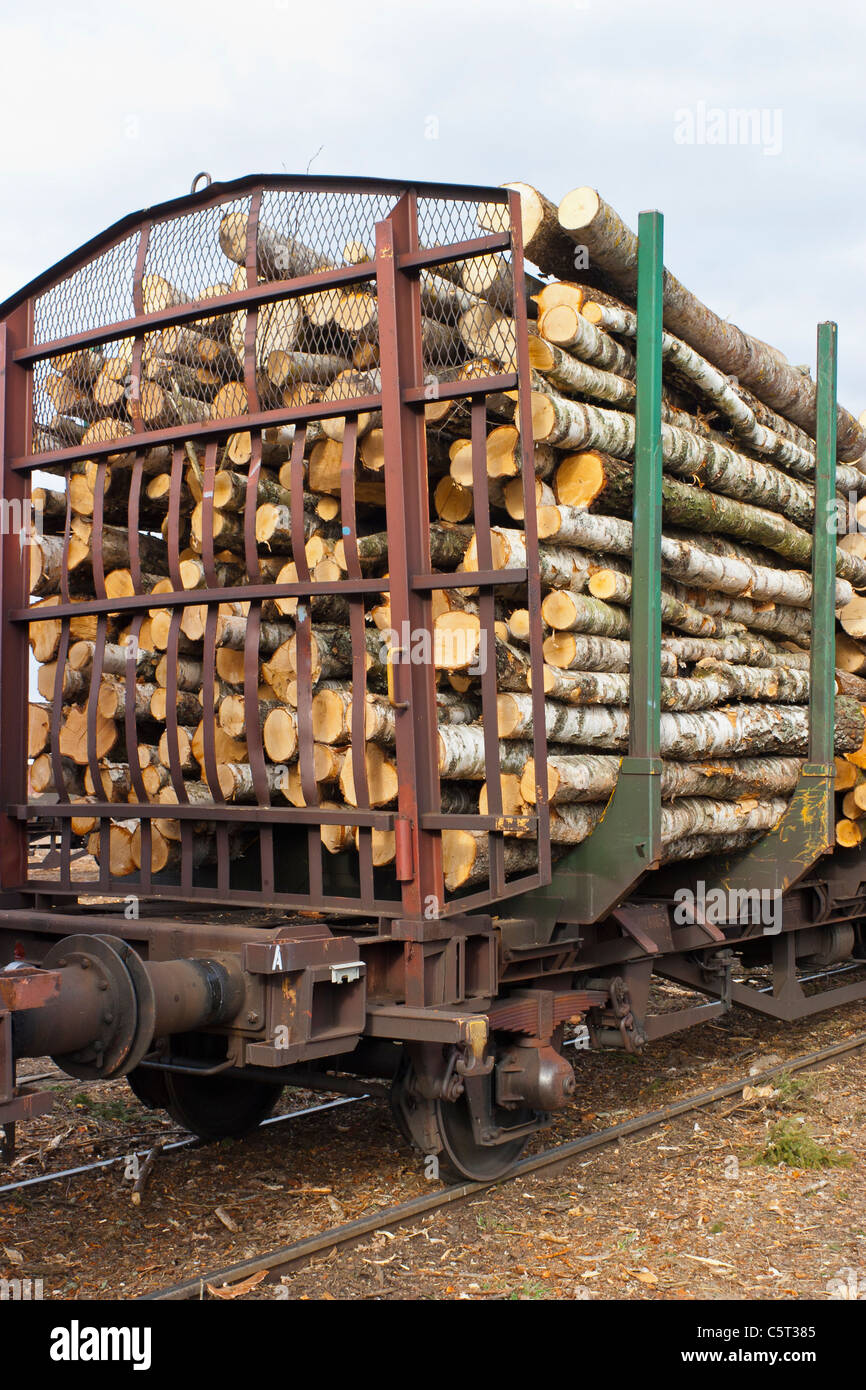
pixel 571 424
pixel 849 833
pixel 731 574
pixel 773 438
pixel 586 777
pixel 115 782
pixel 596 688
pixel 544 242
pixel 758 683
pixel 591 222
pixel 73 735
pixel 698 509
pixel 382 781
pixel 850 656
pixel 40 777
pixel 571 376
pixel 280 734
pixel 566 611
pixel 704 816
pixel 120 857
pixel 232 714
pixel 558 566
pixel 278 257
pixel 114 693
pixel 465 857
pixel 237 783
pixel 680 610
pixel 567 330
pixel 697 846
pixel 736 729
pixel 38 729
pixel 67 687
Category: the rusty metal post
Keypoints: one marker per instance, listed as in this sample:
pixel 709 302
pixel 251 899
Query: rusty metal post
pixel 14 645
pixel 419 864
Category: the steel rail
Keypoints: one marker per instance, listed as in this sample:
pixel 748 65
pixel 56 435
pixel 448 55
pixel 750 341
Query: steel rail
pixel 43 1178
pixel 277 1261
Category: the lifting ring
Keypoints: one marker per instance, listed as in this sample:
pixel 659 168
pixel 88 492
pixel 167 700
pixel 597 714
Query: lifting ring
pixel 194 188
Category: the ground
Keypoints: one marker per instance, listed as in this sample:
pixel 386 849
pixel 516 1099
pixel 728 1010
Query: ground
pixel 700 1208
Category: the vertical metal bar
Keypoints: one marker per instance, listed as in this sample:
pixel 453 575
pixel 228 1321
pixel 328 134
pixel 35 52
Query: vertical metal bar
pixel 138 341
pixel 408 513
pixel 104 833
pixel 207 515
pixel 487 639
pixel 358 747
pixel 172 736
pixel 252 320
pixel 130 722
pixel 255 747
pixel 822 659
pixel 303 661
pixel 98 658
pixel 646 600
pixel 14 567
pixel 530 529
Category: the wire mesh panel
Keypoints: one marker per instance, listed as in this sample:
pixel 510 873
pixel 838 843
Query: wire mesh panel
pixel 287 514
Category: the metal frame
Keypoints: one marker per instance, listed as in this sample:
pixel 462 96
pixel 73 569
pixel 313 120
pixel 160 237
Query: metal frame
pixel 417 820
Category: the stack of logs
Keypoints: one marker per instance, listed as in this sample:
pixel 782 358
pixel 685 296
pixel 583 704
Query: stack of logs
pixel 738 444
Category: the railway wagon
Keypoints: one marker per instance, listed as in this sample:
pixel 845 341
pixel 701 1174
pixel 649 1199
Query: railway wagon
pixel 223 421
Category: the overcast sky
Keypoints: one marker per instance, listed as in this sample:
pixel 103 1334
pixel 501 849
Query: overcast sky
pixel 107 108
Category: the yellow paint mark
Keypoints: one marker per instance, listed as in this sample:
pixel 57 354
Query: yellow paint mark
pixel 476 1036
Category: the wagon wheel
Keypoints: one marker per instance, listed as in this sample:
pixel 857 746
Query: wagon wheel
pixel 219 1107
pixel 148 1085
pixel 445 1127
pixel 462 1157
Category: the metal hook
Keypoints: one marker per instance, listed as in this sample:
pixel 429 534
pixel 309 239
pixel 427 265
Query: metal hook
pixel 203 175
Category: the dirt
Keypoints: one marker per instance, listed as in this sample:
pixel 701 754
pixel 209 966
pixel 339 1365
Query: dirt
pixel 685 1211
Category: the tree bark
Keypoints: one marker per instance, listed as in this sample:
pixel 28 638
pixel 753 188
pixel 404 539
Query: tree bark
pixel 571 424
pixel 698 509
pixel 736 729
pixel 566 329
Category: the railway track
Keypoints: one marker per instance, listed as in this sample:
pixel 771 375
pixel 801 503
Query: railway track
pixel 277 1262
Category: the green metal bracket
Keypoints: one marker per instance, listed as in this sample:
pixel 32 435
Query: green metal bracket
pixel 806 830
pixel 596 875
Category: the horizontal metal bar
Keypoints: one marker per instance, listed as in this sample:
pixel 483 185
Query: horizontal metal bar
pixel 380 907
pixel 431 1025
pixel 464 579
pixel 209 429
pixel 236 811
pixel 265 293
pixel 187 598
pixel 457 390
pixel 457 251
pixel 514 888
